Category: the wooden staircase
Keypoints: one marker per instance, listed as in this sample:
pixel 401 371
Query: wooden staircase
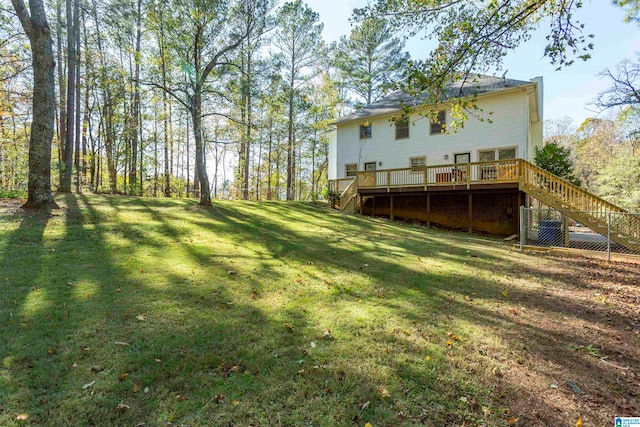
pixel 594 212
pixel 349 198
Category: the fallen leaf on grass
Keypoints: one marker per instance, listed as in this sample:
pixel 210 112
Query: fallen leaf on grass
pixel 141 317
pixel 86 386
pixel 512 421
pixel 122 407
pixel 121 343
pixel 505 294
pixel 365 405
pixel 136 387
pixel 288 326
pixel 579 422
pixel 486 411
pixel 454 337
pixel 383 392
pixel 122 377
pixel 368 425
pixel 22 417
pixel 496 372
pixel 220 398
pixel 427 358
pixel 180 397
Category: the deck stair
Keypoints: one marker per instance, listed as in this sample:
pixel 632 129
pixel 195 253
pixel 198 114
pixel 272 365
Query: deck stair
pixel 580 205
pixel 349 198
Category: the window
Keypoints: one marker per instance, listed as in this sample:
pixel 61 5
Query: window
pixel 370 166
pixel 402 128
pixel 417 162
pixel 497 154
pixel 365 131
pixel 439 124
pixel 462 158
pixel 499 171
pixel 486 156
pixel 507 154
pixel 351 169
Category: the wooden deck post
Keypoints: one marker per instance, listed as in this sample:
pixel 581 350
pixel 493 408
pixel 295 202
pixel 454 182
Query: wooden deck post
pixel 373 209
pixel 428 210
pixel 470 212
pixel 565 229
pixel 391 207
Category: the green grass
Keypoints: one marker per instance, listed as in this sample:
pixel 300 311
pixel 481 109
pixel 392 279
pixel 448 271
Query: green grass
pixel 251 314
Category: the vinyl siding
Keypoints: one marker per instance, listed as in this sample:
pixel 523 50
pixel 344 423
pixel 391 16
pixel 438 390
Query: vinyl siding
pixel 510 128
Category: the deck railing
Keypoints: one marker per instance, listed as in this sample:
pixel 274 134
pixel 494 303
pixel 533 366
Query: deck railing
pixel 339 185
pixel 426 176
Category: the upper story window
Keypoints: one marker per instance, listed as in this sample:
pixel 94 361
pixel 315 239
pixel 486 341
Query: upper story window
pixel 365 131
pixel 351 169
pixel 402 128
pixel 439 124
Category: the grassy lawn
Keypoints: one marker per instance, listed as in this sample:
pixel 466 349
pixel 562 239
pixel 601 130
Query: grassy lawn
pixel 122 311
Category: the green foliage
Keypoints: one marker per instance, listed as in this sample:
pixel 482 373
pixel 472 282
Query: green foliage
pixel 332 196
pixel 13 194
pixel 631 8
pixel 619 180
pixel 475 37
pixel 370 60
pixel 557 160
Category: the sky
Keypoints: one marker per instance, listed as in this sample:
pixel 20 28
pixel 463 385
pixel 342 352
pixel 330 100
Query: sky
pixel 568 92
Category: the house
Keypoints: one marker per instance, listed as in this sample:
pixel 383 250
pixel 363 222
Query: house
pixel 475 178
pixel 416 168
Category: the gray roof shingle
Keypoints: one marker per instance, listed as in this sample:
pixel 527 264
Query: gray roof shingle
pixel 475 85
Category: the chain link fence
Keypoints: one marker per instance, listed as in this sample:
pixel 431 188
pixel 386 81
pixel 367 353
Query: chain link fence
pixel 611 232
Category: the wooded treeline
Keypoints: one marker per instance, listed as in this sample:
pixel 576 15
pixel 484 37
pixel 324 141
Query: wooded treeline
pixel 605 153
pixel 208 98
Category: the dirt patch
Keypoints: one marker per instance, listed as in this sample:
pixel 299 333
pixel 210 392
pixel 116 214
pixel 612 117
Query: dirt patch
pixel 10 206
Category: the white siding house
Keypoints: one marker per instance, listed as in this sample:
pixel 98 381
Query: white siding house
pixel 515 129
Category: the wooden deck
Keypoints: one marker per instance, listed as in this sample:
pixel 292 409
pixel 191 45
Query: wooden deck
pixel 515 175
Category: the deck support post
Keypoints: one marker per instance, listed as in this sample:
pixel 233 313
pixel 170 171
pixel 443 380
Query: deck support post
pixel 428 210
pixel 520 205
pixel 470 213
pixel 391 207
pixel 373 208
pixel 565 229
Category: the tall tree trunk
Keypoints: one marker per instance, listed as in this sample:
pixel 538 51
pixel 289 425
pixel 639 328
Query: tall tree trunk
pixel 76 28
pixel 291 154
pixel 269 159
pixel 165 107
pixel 203 180
pixel 67 166
pixel 109 133
pixel 62 88
pixel 188 158
pixel 44 100
pixel 135 113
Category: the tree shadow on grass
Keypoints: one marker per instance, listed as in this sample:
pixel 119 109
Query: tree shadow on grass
pixel 201 338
